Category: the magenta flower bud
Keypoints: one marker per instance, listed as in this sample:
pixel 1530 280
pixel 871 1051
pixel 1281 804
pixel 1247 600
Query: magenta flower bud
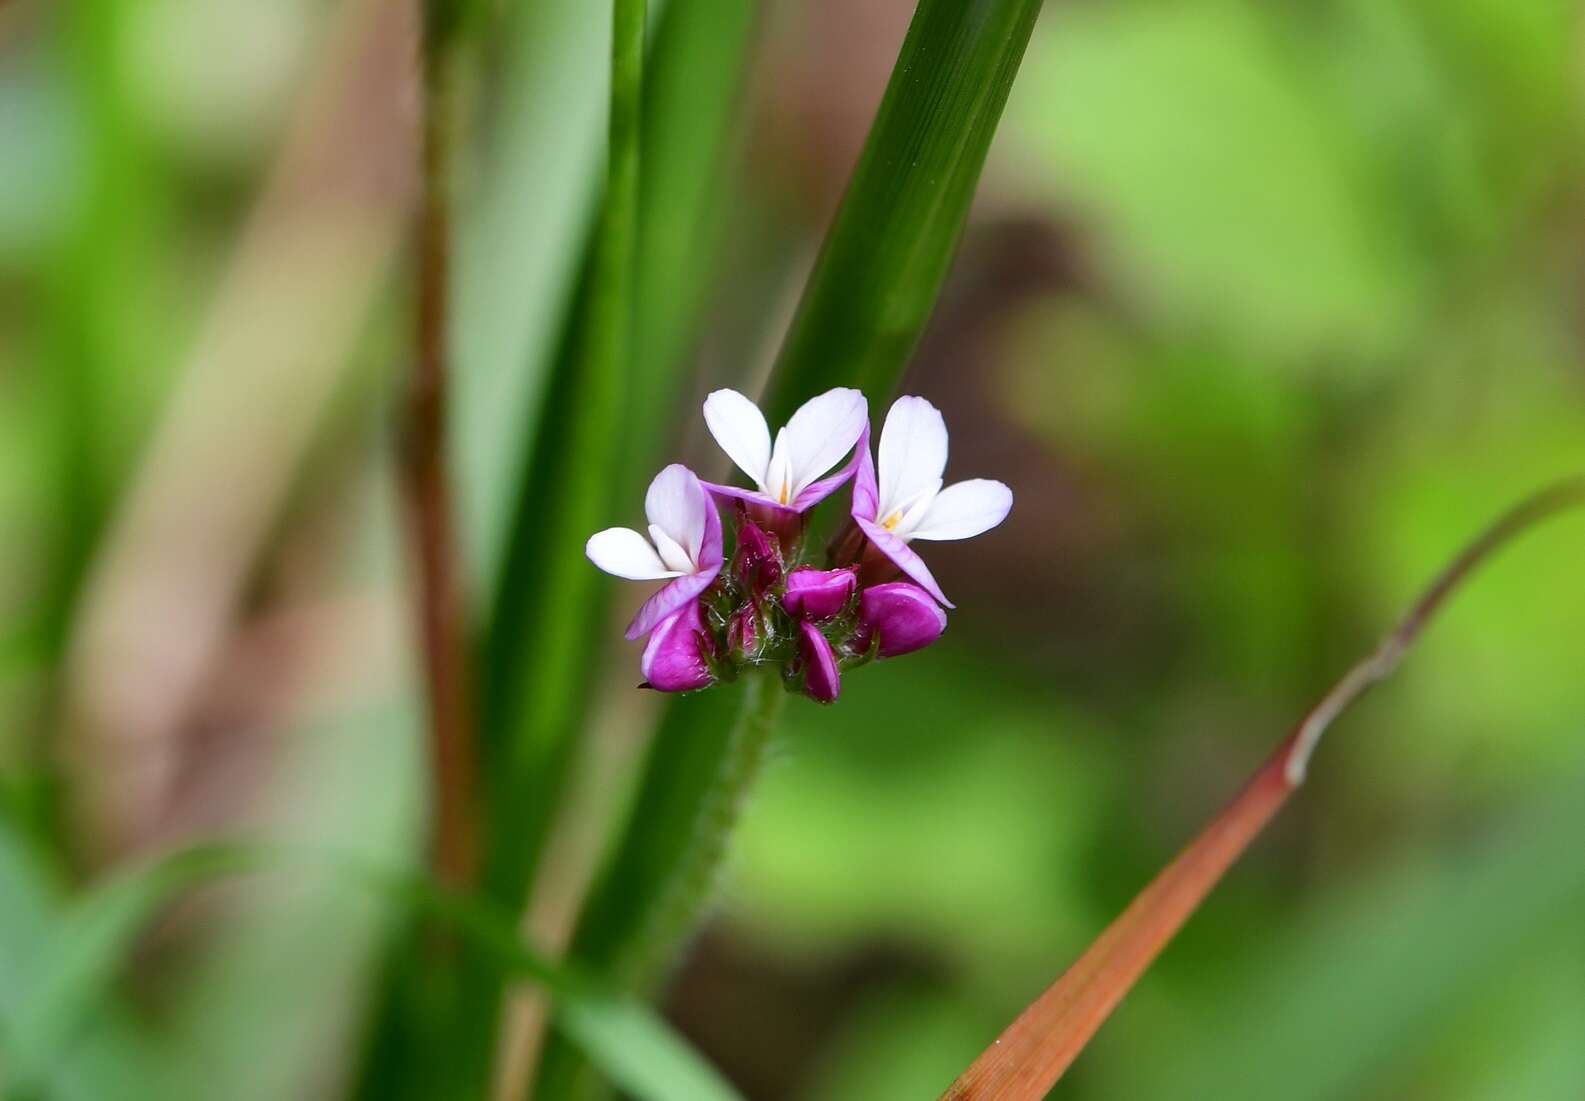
pixel 902 614
pixel 818 594
pixel 673 658
pixel 822 680
pixel 742 632
pixel 756 561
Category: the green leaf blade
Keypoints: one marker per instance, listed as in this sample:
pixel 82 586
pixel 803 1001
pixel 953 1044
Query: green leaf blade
pixel 883 262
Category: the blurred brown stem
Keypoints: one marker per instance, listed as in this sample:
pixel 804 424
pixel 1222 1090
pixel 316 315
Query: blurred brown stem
pixel 1026 1060
pixel 443 631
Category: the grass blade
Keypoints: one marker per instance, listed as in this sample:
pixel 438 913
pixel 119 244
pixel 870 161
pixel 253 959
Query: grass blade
pixel 884 259
pixel 109 1059
pixel 867 300
pixel 692 93
pixel 70 979
pixel 546 621
pixel 1037 1048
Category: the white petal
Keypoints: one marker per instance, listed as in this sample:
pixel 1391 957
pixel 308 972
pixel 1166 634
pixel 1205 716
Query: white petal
pixel 823 430
pixel 965 509
pixel 912 455
pixel 675 503
pixel 671 552
pixel 911 513
pixel 740 428
pixel 626 553
pixel 778 472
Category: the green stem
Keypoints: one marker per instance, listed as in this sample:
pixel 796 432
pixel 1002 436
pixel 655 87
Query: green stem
pixel 677 910
pixel 704 762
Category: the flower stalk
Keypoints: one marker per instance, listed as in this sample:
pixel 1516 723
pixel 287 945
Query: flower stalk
pixel 676 912
pixel 1027 1059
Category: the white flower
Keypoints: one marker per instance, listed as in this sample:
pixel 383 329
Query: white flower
pixel 905 500
pixel 788 474
pixel 684 546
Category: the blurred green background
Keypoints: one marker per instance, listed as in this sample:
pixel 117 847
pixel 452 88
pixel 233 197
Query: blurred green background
pixel 1263 310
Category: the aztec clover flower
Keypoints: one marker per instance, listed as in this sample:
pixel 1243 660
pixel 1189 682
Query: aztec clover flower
pixel 684 545
pixel 773 609
pixel 907 500
pixel 787 474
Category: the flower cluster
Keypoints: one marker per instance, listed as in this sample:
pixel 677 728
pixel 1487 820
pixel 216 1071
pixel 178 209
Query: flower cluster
pixel 767 607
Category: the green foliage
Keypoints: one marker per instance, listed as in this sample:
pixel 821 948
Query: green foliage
pixel 865 305
pixel 1315 319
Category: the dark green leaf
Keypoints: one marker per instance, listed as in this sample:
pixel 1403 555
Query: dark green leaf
pixel 887 253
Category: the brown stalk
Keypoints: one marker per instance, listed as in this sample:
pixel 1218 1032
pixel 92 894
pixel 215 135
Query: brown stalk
pixel 1027 1059
pixel 442 623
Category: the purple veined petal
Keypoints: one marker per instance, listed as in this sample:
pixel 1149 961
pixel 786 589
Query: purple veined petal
pixel 822 679
pixel 818 594
pixel 753 496
pixel 712 547
pixel 673 658
pixel 866 495
pixel 903 557
pixel 902 614
pixel 668 600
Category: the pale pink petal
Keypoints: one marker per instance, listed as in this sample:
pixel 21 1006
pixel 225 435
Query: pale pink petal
pixel 822 431
pixel 912 454
pixel 866 495
pixel 903 557
pixel 676 503
pixel 740 428
pixel 626 553
pixel 712 547
pixel 964 510
pixel 667 601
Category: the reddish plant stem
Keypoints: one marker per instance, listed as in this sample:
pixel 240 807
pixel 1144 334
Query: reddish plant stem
pixel 441 614
pixel 1029 1057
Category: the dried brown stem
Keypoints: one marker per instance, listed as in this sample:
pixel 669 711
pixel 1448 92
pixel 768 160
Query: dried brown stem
pixel 1032 1054
pixel 442 623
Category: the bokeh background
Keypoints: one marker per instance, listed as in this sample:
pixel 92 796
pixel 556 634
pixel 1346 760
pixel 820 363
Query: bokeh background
pixel 1263 310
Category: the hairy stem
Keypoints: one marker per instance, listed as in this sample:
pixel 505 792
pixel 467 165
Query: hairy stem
pixel 676 911
pixel 1037 1048
pixel 442 624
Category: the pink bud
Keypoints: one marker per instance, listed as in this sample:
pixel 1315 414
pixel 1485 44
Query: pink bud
pixel 673 658
pixel 756 562
pixel 902 614
pixel 822 680
pixel 818 594
pixel 742 632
